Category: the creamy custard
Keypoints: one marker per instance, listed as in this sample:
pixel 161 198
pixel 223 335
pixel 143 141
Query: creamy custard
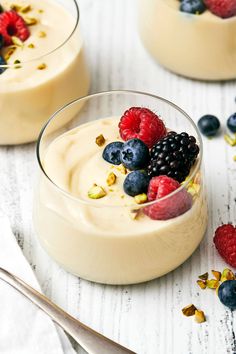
pixel 30 94
pixel 100 240
pixel 198 46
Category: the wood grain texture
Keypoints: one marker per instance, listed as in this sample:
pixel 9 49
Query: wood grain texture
pixel 145 317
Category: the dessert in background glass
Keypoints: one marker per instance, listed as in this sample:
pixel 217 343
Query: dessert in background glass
pixel 42 65
pixel 199 46
pixel 82 215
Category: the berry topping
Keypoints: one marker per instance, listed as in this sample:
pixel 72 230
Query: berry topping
pixel 136 183
pixel 170 207
pixel 12 24
pixel 134 154
pixel 143 124
pixel 111 153
pixel 2 62
pixel 231 123
pixel 225 242
pixel 227 293
pixel 222 8
pixel 192 6
pixel 208 125
pixel 173 156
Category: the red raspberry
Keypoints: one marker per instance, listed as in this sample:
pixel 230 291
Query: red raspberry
pixel 170 207
pixel 222 8
pixel 143 124
pixel 12 24
pixel 225 242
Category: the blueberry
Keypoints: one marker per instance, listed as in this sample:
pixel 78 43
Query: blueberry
pixel 227 293
pixel 136 183
pixel 111 152
pixel 2 62
pixel 192 6
pixel 231 123
pixel 134 154
pixel 208 125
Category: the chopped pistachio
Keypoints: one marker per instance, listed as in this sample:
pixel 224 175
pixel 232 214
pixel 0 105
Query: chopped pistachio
pixel 111 179
pixel 15 7
pixel 202 284
pixel 189 310
pixel 17 41
pixel 216 274
pixel 31 45
pixel 41 11
pixel 122 169
pixel 96 192
pixel 141 198
pixel 203 276
pixel 42 66
pixel 229 140
pixel 134 213
pixel 212 283
pixel 227 274
pixel 16 62
pixel 100 140
pixel 30 21
pixel 234 158
pixel 9 53
pixel 42 34
pixel 200 316
pixel 25 9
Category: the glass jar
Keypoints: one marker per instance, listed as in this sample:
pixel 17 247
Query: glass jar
pixel 108 240
pixel 51 72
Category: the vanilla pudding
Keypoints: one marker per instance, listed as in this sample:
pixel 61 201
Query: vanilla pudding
pixel 100 239
pixel 197 46
pixel 51 70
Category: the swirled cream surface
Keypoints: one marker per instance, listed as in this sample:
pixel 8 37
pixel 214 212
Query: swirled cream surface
pixel 99 239
pixel 198 46
pixel 52 71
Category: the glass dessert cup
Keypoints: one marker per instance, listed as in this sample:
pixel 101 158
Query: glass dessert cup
pixel 52 71
pixel 196 46
pixel 108 240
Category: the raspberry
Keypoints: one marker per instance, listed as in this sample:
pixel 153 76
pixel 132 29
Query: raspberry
pixel 222 8
pixel 12 24
pixel 143 124
pixel 225 242
pixel 170 207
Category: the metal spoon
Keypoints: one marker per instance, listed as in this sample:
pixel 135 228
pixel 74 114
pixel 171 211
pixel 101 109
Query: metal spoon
pixel 90 340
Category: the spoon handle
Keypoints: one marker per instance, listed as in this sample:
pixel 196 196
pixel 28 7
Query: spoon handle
pixel 90 340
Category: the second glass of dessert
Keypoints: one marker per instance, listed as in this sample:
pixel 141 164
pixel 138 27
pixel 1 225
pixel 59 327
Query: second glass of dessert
pixel 42 64
pixel 195 39
pixel 121 194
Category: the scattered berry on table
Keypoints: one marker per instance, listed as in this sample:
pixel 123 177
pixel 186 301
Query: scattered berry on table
pixel 12 24
pixel 231 123
pixel 209 125
pixel 136 183
pixel 173 155
pixel 225 242
pixel 143 124
pixel 111 153
pixel 222 8
pixel 2 62
pixel 192 6
pixel 170 207
pixel 227 293
pixel 134 154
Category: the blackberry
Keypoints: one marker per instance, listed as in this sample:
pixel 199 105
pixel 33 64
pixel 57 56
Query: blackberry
pixel 173 156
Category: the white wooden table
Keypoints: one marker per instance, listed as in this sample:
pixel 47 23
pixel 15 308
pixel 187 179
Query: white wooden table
pixel 146 317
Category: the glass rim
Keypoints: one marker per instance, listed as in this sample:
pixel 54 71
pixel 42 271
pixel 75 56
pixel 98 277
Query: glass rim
pixel 9 66
pixel 183 185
